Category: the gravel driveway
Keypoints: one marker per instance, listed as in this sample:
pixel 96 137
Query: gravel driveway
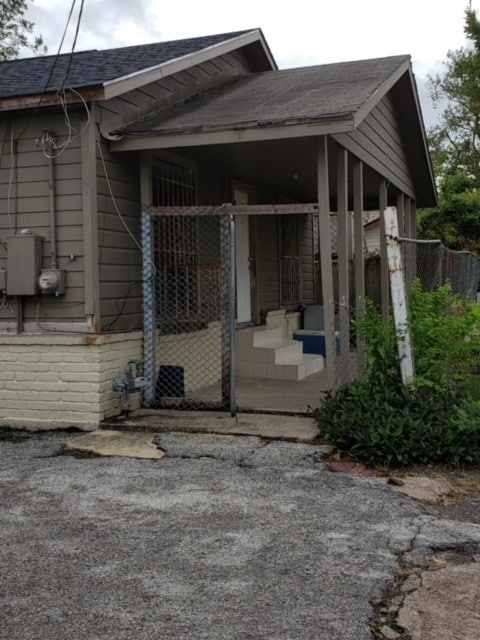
pixel 227 538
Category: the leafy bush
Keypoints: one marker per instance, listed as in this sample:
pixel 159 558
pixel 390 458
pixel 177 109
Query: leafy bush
pixel 446 338
pixel 379 420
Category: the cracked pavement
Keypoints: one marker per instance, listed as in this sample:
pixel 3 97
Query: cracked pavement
pixel 226 538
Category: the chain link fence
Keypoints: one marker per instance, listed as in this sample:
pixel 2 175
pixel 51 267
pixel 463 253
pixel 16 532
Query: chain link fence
pixel 430 261
pixel 188 297
pixel 436 265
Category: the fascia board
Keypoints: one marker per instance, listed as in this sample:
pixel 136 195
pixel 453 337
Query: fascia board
pixel 231 136
pixel 382 90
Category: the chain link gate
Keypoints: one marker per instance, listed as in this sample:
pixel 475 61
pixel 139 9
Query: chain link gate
pixel 189 310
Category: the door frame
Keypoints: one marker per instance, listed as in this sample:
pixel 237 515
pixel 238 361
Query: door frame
pixel 251 193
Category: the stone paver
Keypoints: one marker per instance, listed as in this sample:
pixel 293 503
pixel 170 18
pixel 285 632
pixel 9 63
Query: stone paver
pixel 429 490
pixel 446 605
pixel 116 443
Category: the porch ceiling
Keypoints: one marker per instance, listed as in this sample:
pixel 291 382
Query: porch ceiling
pixel 286 167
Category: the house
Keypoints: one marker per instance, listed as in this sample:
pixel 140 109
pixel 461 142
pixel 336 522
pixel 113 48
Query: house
pixel 164 210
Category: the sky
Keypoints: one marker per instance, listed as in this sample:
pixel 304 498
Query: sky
pixel 299 33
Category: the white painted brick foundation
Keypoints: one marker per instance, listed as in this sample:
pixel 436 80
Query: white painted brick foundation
pixel 60 381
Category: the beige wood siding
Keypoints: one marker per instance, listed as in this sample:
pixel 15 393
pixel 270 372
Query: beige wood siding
pixel 306 251
pixel 378 143
pixel 131 106
pixel 119 258
pixel 267 262
pixel 24 173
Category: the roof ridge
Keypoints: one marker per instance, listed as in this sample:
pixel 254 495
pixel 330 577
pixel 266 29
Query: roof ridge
pixel 110 50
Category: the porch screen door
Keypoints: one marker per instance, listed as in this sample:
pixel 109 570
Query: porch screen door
pixel 242 264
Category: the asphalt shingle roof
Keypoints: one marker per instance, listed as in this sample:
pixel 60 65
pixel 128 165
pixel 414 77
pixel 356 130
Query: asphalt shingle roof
pixel 28 76
pixel 277 97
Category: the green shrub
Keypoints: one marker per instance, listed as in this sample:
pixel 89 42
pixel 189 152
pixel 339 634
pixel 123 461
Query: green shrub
pixel 446 338
pixel 379 420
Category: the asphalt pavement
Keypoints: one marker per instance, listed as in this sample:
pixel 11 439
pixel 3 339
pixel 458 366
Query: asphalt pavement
pixel 225 538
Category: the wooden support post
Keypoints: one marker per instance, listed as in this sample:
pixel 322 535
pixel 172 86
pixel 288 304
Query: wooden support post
pixel 359 255
pixel 409 248
pixel 400 213
pixel 413 219
pixel 413 232
pixel 88 141
pixel 399 300
pixel 326 254
pixel 343 234
pixel 384 285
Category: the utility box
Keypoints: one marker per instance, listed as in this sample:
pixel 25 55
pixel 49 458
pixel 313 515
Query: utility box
pixel 24 261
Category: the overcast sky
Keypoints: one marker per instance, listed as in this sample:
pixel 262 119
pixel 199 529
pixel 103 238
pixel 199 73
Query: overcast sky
pixel 300 32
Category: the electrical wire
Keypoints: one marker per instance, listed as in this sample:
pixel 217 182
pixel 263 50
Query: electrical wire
pixel 13 227
pixel 124 300
pixel 43 327
pixel 117 209
pixel 52 69
pixel 74 44
pixel 48 144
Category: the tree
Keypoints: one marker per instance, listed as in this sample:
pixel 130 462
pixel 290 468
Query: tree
pixel 16 32
pixel 455 146
pixel 456 139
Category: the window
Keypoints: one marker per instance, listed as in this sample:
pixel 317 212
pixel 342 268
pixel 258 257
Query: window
pixel 188 268
pixel 289 261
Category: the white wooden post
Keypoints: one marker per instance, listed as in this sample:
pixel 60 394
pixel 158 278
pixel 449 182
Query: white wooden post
pixel 343 223
pixel 359 257
pixel 383 201
pixel 398 294
pixel 326 256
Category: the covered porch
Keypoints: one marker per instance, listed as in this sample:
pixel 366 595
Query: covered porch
pixel 237 225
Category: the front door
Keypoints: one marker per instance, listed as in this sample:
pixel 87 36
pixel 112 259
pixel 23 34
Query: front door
pixel 242 260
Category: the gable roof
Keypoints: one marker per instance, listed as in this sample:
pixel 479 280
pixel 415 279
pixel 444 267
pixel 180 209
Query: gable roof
pixel 308 95
pixel 85 69
pixel 330 99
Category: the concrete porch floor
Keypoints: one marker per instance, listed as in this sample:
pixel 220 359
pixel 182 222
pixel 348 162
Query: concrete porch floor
pixel 282 396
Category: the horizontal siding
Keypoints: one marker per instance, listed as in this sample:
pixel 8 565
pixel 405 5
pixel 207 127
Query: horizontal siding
pixel 119 258
pixel 133 105
pixel 266 242
pixel 305 241
pixel 24 174
pixel 378 143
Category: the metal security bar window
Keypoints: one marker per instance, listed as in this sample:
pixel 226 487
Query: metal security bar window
pixel 185 279
pixel 173 185
pixel 289 261
pixel 188 272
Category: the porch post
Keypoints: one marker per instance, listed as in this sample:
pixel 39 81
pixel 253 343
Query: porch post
pixel 149 331
pixel 148 278
pixel 343 265
pixel 228 313
pixel 413 234
pixel 401 213
pixel 359 255
pixel 409 248
pixel 413 219
pixel 384 279
pixel 326 254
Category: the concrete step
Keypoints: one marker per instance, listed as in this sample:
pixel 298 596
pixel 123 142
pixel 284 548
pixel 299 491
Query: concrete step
pixel 275 353
pixel 262 336
pixel 295 369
